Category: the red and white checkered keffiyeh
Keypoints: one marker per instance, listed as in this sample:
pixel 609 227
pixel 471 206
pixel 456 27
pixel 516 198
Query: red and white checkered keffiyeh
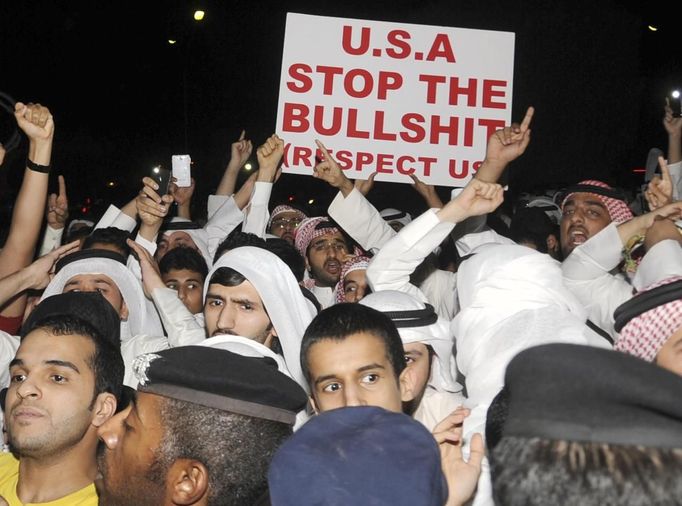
pixel 283 208
pixel 618 209
pixel 644 335
pixel 307 231
pixel 359 263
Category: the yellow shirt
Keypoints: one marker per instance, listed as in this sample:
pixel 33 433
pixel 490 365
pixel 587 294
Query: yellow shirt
pixel 9 477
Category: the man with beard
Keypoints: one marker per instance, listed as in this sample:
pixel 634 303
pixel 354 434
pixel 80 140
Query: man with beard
pixel 324 247
pixel 66 380
pixel 201 430
pixel 284 221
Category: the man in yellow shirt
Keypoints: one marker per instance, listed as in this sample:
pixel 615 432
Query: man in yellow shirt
pixel 65 381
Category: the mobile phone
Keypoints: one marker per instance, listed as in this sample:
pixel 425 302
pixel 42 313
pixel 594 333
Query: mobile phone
pixel 675 103
pixel 162 177
pixel 181 170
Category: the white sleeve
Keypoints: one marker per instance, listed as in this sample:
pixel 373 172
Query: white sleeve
pixel 133 263
pixel 256 219
pixel 52 238
pixel 361 220
pixel 587 274
pixel 676 176
pixel 114 217
pixel 181 326
pixel 391 267
pixel 662 261
pixel 221 222
pixel 8 349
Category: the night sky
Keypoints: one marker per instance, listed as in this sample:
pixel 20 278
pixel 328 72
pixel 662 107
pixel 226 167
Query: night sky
pixel 124 99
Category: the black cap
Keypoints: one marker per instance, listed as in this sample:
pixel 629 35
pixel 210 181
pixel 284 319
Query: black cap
pixel 585 394
pixel 220 379
pixel 89 306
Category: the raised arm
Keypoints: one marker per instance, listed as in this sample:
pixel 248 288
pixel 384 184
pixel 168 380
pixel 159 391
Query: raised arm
pixel 56 214
pixel 37 123
pixel 505 146
pixel 269 157
pixel 239 153
pixel 673 126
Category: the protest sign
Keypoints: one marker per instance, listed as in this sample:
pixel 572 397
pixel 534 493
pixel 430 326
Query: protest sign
pixel 394 98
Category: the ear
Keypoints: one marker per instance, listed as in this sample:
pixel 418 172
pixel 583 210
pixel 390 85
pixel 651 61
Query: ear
pixel 407 382
pixel 104 408
pixel 552 243
pixel 311 400
pixel 124 311
pixel 186 482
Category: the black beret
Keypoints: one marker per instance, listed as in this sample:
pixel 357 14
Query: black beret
pixel 220 379
pixel 584 394
pixel 89 306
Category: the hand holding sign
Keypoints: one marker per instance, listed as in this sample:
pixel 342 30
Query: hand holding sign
pixel 329 170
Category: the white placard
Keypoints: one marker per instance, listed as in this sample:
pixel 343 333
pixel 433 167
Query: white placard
pixel 395 98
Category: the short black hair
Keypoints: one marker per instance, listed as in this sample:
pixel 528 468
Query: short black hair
pixel 183 257
pixel 288 254
pixel 106 363
pixel 109 235
pixel 341 320
pixel 236 449
pixel 226 276
pixel 534 471
pixel 235 239
pixel 532 225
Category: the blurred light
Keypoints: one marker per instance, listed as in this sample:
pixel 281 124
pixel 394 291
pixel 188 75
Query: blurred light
pixel 88 201
pixel 675 94
pixel 311 201
pixel 291 198
pixel 639 171
pixel 199 15
pixel 171 41
pixel 156 169
pixel 653 28
pixel 84 210
pixel 111 184
pixel 248 166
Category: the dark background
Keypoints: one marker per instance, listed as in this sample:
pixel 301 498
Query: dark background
pixel 124 99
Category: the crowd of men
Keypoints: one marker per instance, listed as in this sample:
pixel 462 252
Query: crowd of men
pixel 257 355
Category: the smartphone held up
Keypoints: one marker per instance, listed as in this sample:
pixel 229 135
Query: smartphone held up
pixel 181 170
pixel 162 177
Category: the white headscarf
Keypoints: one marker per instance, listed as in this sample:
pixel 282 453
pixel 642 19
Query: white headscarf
pixel 277 287
pixel 142 315
pixel 389 214
pixel 511 298
pixel 198 235
pixel 437 335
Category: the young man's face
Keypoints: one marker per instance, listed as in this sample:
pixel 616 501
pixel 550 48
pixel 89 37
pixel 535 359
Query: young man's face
pixel 355 372
pixel 284 225
pixel 325 256
pixel 174 240
pixel 189 285
pixel 237 310
pixel 419 361
pixel 670 355
pixel 102 284
pixel 355 285
pixel 49 406
pixel 131 439
pixel 584 215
